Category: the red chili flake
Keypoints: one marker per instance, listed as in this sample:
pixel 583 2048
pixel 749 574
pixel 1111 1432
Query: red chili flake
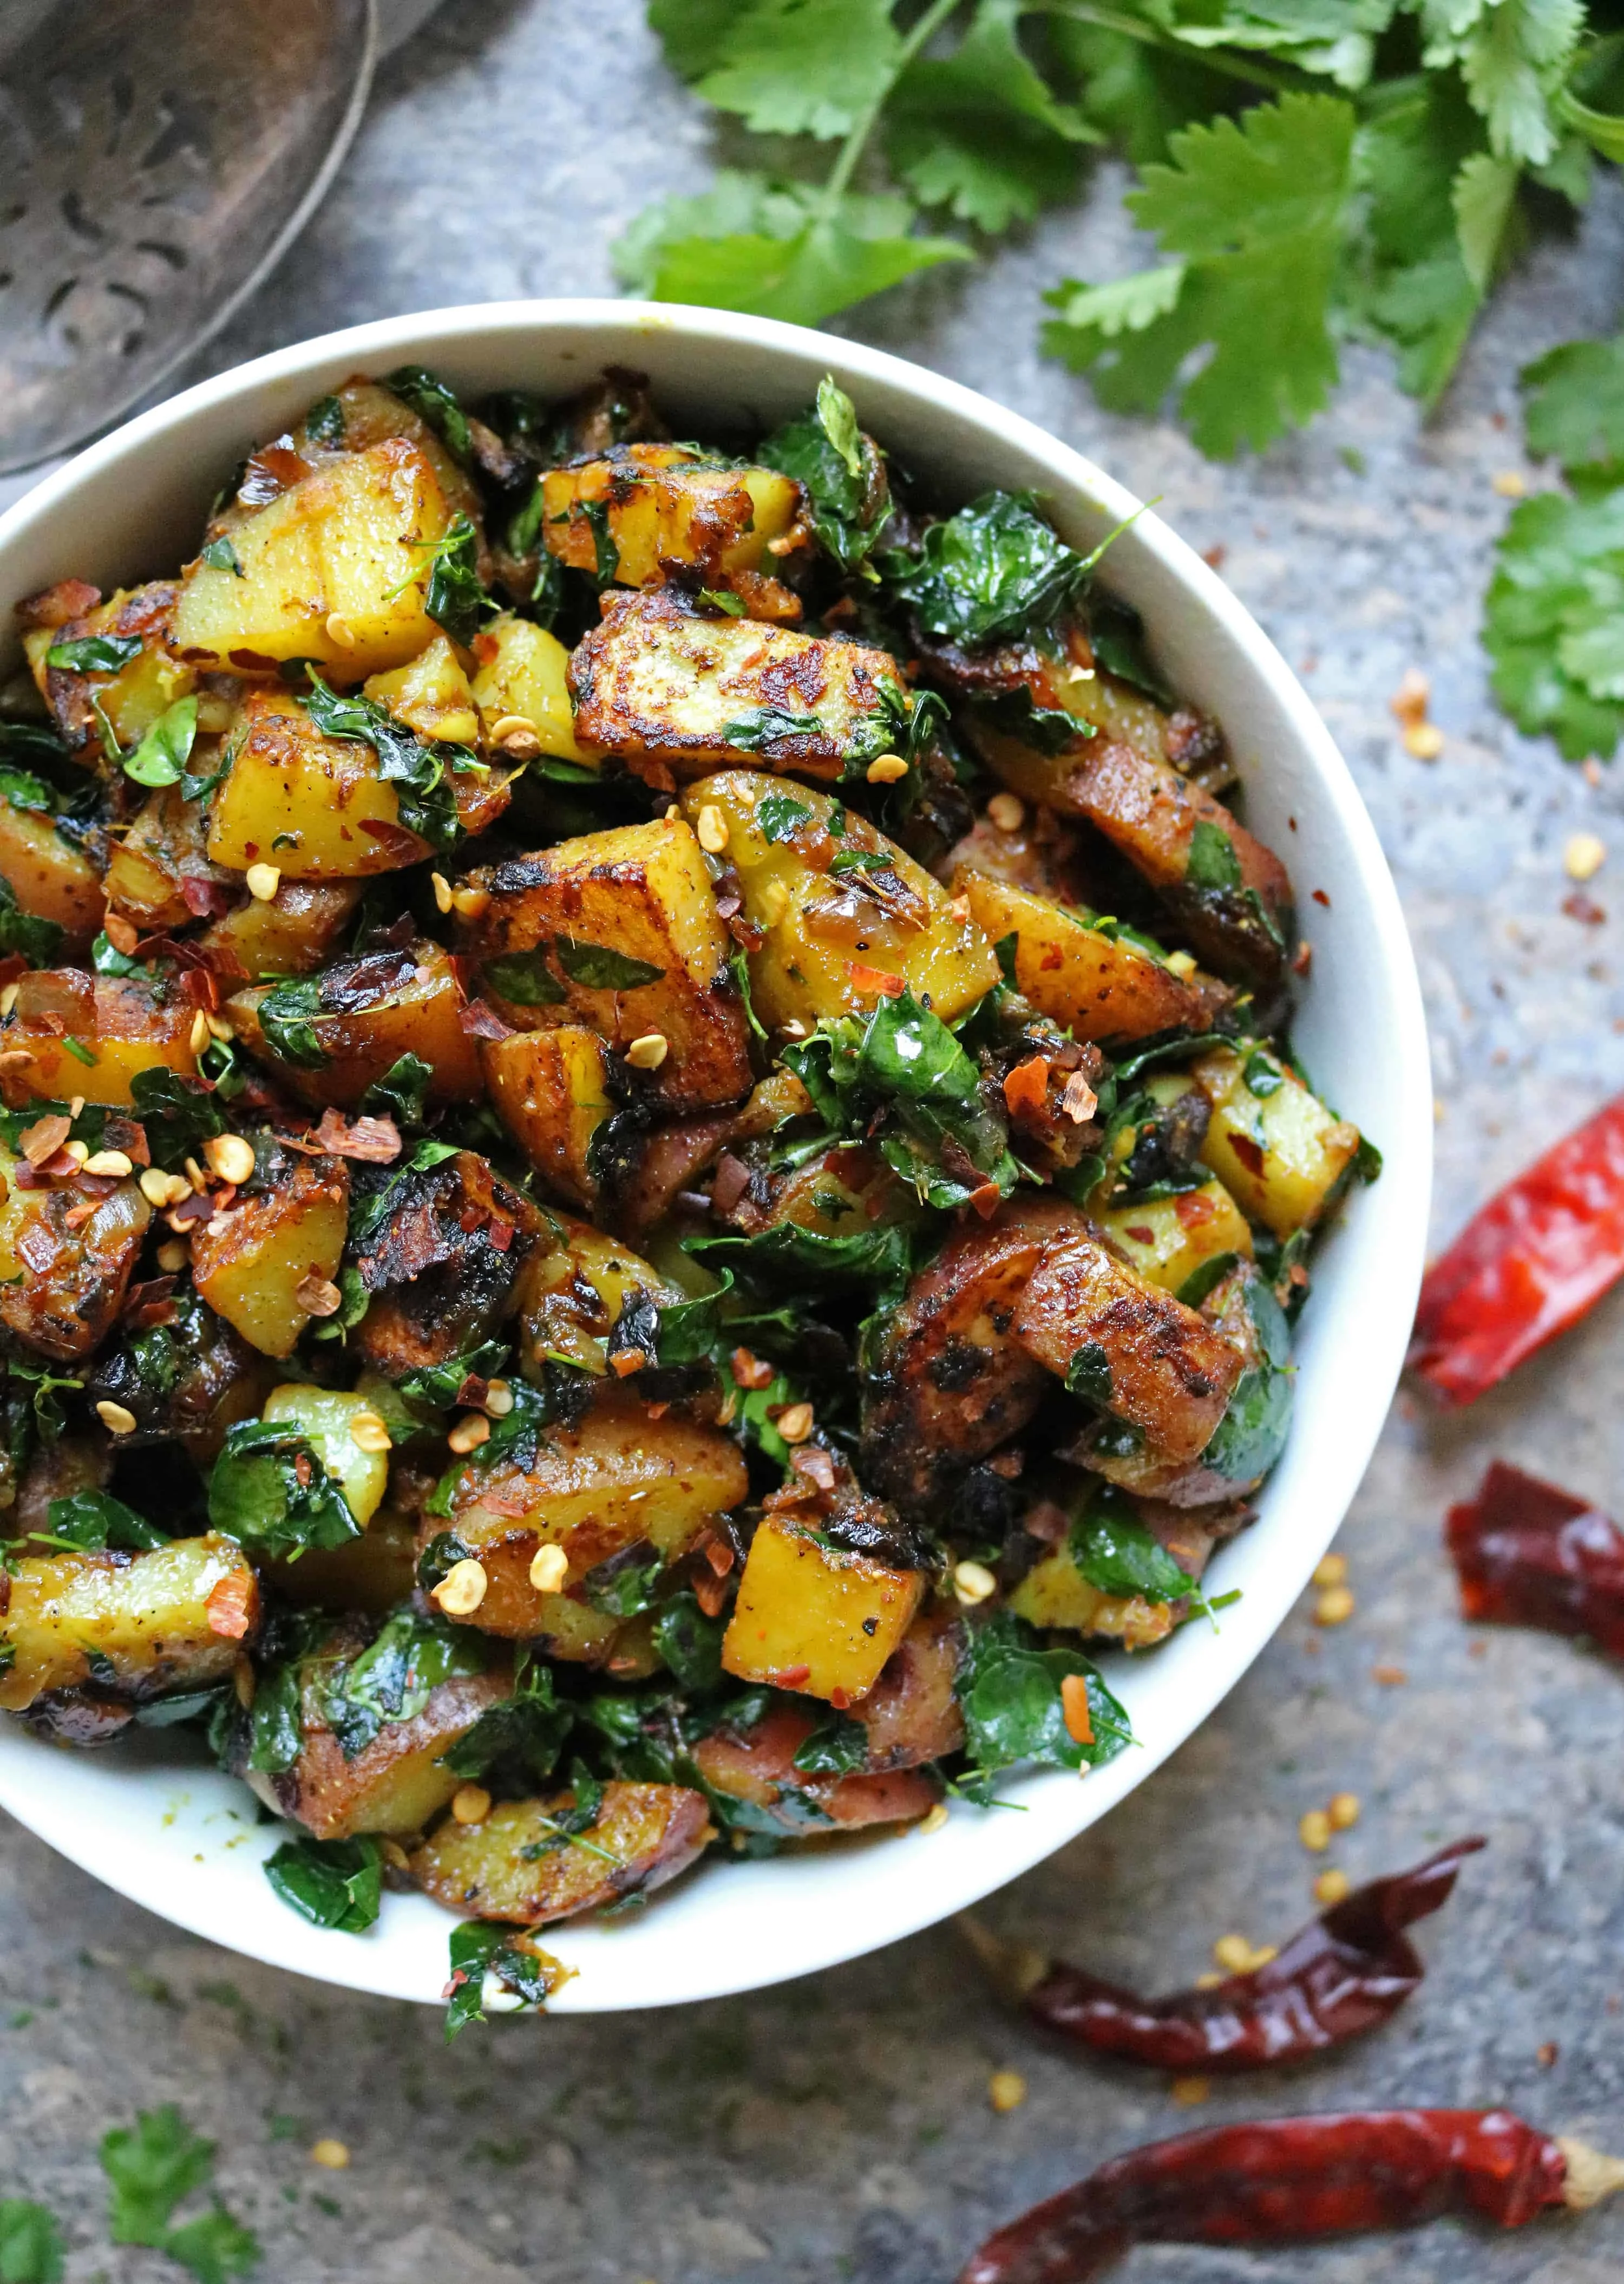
pixel 205 899
pixel 720 1555
pixel 271 470
pixel 126 1134
pixel 229 1603
pixel 1528 1265
pixel 1249 1153
pixel 375 1141
pixel 710 1593
pixel 486 649
pixel 1320 898
pixel 816 1465
pixel 302 1470
pixel 1292 2180
pixel 751 1371
pixel 1345 1973
pixel 875 979
pixel 1579 907
pixel 1140 1235
pixel 122 934
pixel 393 837
pixel 500 1232
pixel 479 1019
pixel 627 1361
pixel 1025 1089
pixel 76 1217
pixel 44 1139
pixel 839 1699
pixel 1529 1554
pixel 986 1200
pixel 791 1677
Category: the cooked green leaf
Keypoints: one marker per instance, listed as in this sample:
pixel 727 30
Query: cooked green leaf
pixel 287 1017
pixel 96 1519
pixel 401 1092
pixel 430 398
pixel 525 978
pixel 600 967
pixel 1009 1692
pixel 394 1676
pixel 94 654
pixel 481 1947
pixel 270 1491
pixel 455 600
pixel 332 1884
pixel 222 555
pixel 841 471
pixel 995 571
pixel 39 940
pixel 416 768
pixel 1115 1553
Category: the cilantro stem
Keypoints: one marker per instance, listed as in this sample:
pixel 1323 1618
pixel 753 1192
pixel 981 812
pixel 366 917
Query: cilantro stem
pixel 852 149
pixel 1149 35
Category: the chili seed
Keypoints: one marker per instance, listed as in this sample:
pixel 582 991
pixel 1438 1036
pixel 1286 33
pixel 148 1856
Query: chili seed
pixel 974 1582
pixel 1343 1812
pixel 470 1432
pixel 1006 2090
pixel 470 903
pixel 1233 1953
pixel 8 997
pixel 1313 1831
pixel 548 1568
pixel 462 1589
pixel 319 1296
pixel 340 630
pixel 1330 1570
pixel 648 1052
pixel 116 1419
pixel 229 1156
pixel 368 1433
pixel 498 1399
pixel 1190 2093
pixel 1332 1886
pixel 887 770
pixel 79 1151
pixel 442 891
pixel 112 1163
pixel 1007 811
pixel 470 1803
pixel 1583 857
pixel 1334 1607
pixel 198 1036
pixel 263 882
pixel 1423 740
pixel 333 2155
pixel 794 1422
pixel 932 1819
pixel 173 1257
pixel 712 829
pixel 518 735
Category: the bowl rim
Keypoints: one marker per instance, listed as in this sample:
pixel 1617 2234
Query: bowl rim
pixel 1393 1227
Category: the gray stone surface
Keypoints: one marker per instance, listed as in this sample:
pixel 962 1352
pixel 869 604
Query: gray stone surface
pixel 839 2127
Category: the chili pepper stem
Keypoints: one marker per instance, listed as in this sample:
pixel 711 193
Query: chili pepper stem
pixel 1014 1970
pixel 1591 2174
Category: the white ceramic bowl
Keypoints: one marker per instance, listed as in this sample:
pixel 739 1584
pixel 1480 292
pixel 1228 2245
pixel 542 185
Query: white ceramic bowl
pixel 164 1828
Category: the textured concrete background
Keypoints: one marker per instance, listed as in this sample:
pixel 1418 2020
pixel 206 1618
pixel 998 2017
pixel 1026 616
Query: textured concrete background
pixel 838 2127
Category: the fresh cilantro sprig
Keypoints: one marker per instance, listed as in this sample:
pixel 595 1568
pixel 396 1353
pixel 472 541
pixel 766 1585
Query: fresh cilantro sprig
pixel 154 2166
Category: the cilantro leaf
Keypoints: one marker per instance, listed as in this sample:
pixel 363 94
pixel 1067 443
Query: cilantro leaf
pixel 220 553
pixel 980 131
pixel 1254 211
pixel 215 2247
pixel 1554 620
pixel 332 1884
pixel 1573 406
pixel 151 2166
pixel 1514 56
pixel 31 2247
pixel 804 67
pixel 1010 1691
pixel 1335 37
pixel 1410 282
pixel 693 31
pixel 841 471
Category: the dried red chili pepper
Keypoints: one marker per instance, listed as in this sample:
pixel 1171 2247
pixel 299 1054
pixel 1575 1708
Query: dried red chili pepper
pixel 1345 1972
pixel 1290 2181
pixel 1529 1554
pixel 1528 1264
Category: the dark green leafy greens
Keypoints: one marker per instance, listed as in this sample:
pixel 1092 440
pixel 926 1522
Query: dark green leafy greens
pixel 481 1947
pixel 332 1884
pixel 1008 1688
pixel 994 572
pixel 394 1676
pixel 94 654
pixel 287 1018
pixel 455 600
pixel 270 1491
pixel 1114 1551
pixel 430 398
pixel 843 472
pixel 96 1519
pixel 38 940
pixel 418 768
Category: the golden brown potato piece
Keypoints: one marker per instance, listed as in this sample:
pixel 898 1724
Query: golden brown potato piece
pixel 51 877
pixel 90 1034
pixel 63 1280
pixel 1271 1142
pixel 336 570
pixel 396 1783
pixel 370 1009
pixel 658 682
pixel 174 1618
pixel 949 1381
pixel 132 696
pixel 618 931
pixel 811 1617
pixel 211 1379
pixel 275 1243
pixel 355 418
pixel 522 1863
pixel 1126 1346
pixel 430 694
pixel 617 1480
pixel 641 510
pixel 834 942
pixel 375 1573
pixel 573 1288
pixel 524 676
pixel 316 808
pixel 912 1714
pixel 1054 1593
pixel 159 874
pixel 1167 1240
pixel 292 933
pixel 442 1265
pixel 549 1089
pixel 1098 985
pixel 757 1766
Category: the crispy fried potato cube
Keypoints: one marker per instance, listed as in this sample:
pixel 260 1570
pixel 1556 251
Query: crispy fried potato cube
pixel 146 1615
pixel 1168 1239
pixel 314 807
pixel 912 1714
pixel 619 931
pixel 61 1284
pixel 652 508
pixel 618 1479
pixel 443 1265
pixel 550 1090
pixel 430 693
pixel 327 1416
pixel 291 933
pixel 811 1618
pixel 658 682
pixel 395 1784
pixel 1274 1146
pixel 518 1864
pixel 160 875
pixel 50 877
pixel 572 1289
pixel 110 1027
pixel 1099 986
pixel 757 1765
pixel 273 1241
pixel 833 944
pixel 525 673
pixel 133 696
pixel 1054 1593
pixel 1126 1346
pixel 374 1008
pixel 336 570
pixel 368 414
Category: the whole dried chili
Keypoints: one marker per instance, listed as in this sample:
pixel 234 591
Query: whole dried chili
pixel 1529 1554
pixel 1290 2181
pixel 1345 1972
pixel 1528 1264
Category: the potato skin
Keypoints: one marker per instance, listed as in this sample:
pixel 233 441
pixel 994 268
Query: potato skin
pixel 63 1285
pixel 146 1615
pixel 550 1091
pixel 376 1007
pixel 133 698
pixel 393 1785
pixel 291 934
pixel 51 877
pixel 445 1266
pixel 122 1026
pixel 1098 988
pixel 250 1272
pixel 652 1831
pixel 757 1766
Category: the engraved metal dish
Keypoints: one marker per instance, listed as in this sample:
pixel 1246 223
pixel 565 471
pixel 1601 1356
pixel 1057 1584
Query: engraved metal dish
pixel 156 156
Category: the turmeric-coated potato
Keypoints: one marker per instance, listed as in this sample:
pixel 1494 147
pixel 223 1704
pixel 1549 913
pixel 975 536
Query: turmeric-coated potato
pixel 526 1862
pixel 813 1618
pixel 1272 1143
pixel 641 511
pixel 89 1035
pixel 134 1625
pixel 276 1249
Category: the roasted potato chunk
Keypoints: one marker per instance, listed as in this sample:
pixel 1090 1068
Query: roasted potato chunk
pixel 524 676
pixel 658 682
pixel 374 1573
pixel 912 1713
pixel 521 1863
pixel 1167 1240
pixel 361 1015
pixel 328 1418
pixel 159 874
pixel 430 694
pixel 573 1288
pixel 550 1089
pixel 316 808
pixel 292 933
pixel 174 1618
pixel 132 695
pixel 50 877
pixel 619 931
pixel 1274 1145
pixel 276 1243
pixel 643 510
pixel 441 1258
pixel 90 1034
pixel 833 942
pixel 813 1618
pixel 62 1279
pixel 755 1767
pixel 1099 984
pixel 1126 1346
pixel 191 1376
pixel 335 569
